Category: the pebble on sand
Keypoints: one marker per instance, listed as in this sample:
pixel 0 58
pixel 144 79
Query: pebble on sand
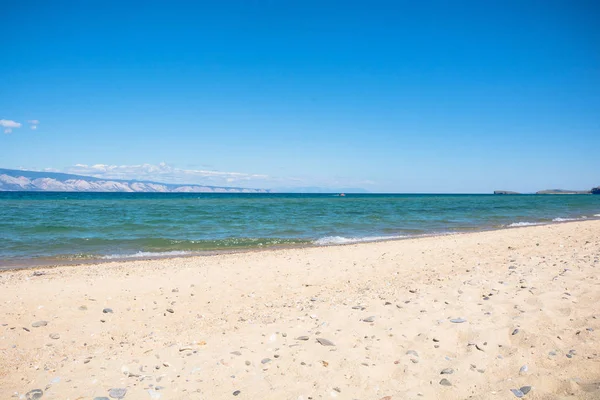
pixel 515 331
pixel 117 393
pixel 445 382
pixel 54 336
pixel 107 310
pixel 447 371
pixel 458 320
pixel 34 394
pixel 265 360
pixel 302 338
pixel 236 392
pixel 325 342
pixel 525 389
pixel 369 319
pixel 523 369
pixel 38 324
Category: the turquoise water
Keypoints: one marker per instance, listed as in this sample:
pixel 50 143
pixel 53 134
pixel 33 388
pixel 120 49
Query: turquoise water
pixel 103 225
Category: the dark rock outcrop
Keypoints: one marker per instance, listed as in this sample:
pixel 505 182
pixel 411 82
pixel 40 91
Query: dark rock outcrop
pixel 562 191
pixel 595 190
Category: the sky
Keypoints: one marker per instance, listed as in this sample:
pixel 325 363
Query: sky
pixel 389 96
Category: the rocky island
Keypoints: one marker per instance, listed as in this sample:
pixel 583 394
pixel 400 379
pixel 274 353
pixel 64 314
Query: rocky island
pixel 595 190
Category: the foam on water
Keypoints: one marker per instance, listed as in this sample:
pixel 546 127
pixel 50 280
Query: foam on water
pixel 145 254
pixel 330 240
pixel 524 223
pixel 559 219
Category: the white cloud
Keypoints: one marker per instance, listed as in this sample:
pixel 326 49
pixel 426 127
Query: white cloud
pixel 165 173
pixel 9 124
pixel 33 123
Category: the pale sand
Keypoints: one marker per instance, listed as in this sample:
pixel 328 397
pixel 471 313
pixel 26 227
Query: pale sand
pixel 257 303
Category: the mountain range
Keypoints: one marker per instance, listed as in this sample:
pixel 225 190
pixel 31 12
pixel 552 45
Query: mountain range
pixel 35 181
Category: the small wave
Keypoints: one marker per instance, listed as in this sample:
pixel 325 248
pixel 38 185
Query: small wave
pixel 596 215
pixel 329 240
pixel 143 254
pixel 567 219
pixel 516 224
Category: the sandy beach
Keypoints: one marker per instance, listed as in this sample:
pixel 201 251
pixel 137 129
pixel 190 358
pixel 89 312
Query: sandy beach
pixel 451 317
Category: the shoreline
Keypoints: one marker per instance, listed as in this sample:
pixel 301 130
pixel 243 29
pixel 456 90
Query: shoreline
pixel 50 262
pixel 503 309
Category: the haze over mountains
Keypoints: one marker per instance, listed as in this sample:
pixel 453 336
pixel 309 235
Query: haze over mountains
pixel 34 181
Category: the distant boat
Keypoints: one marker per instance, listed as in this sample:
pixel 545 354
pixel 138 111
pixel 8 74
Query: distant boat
pixel 342 195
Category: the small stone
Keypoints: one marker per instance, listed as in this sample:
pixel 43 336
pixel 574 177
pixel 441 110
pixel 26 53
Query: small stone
pixel 118 393
pixel 458 320
pixel 436 340
pixel 34 394
pixel 236 392
pixel 154 394
pixel 236 353
pixel 107 310
pixel 265 360
pixel 175 290
pixel 412 352
pixel 38 324
pixel 83 308
pixel 517 393
pixel 54 336
pixel 447 371
pixel 525 389
pixel 337 389
pixel 248 363
pixel 523 369
pixel 369 319
pixel 325 342
pixel 414 360
pixel 445 382
pixel 170 310
pixel 302 338
pixel 515 332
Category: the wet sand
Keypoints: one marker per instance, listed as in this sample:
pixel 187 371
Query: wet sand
pixel 525 304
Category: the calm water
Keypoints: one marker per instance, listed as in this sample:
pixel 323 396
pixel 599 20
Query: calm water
pixel 103 225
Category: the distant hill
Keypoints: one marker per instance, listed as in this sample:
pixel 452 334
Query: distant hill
pixel 562 191
pixel 35 181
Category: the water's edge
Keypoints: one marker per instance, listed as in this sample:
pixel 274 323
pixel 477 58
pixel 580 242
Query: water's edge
pixel 45 263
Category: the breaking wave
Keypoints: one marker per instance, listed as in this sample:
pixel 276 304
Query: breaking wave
pixel 146 254
pixel 558 219
pixel 329 240
pixel 525 223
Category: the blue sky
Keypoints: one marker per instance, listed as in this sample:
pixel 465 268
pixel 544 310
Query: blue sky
pixel 388 96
